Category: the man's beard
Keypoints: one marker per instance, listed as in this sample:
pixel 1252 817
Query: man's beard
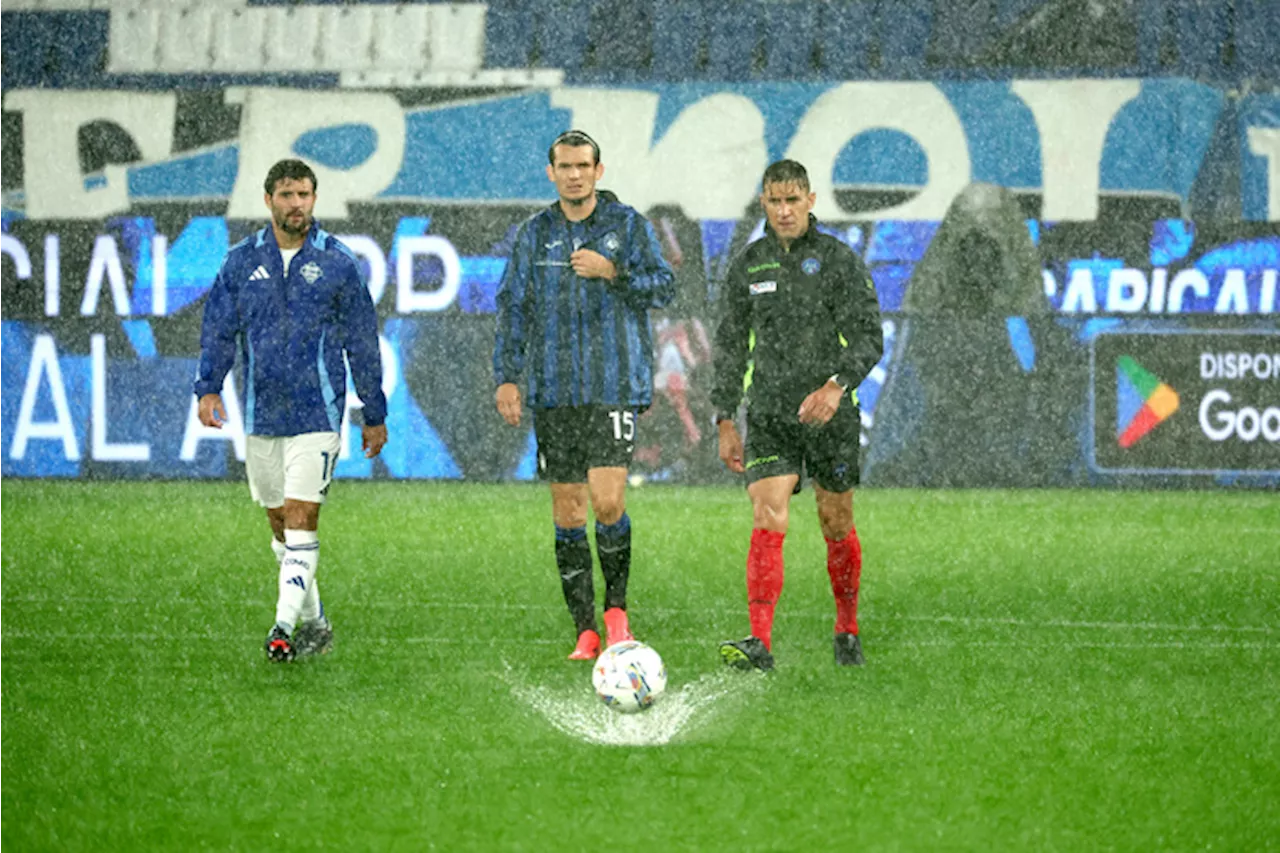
pixel 289 228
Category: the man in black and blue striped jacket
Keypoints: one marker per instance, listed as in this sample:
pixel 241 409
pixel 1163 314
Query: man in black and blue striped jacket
pixel 573 316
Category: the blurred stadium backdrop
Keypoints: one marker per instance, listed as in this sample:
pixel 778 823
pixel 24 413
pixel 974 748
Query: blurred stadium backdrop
pixel 1065 207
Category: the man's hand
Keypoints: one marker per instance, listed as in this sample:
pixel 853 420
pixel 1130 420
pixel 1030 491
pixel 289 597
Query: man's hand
pixel 373 438
pixel 508 399
pixel 212 414
pixel 731 447
pixel 820 406
pixel 589 264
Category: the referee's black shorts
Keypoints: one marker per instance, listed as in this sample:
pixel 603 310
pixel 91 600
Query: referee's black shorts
pixel 574 439
pixel 828 454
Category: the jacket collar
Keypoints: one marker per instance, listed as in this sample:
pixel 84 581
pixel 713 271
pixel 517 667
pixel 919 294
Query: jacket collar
pixel 800 242
pixel 267 238
pixel 605 200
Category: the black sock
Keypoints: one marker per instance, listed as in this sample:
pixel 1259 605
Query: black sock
pixel 613 544
pixel 573 559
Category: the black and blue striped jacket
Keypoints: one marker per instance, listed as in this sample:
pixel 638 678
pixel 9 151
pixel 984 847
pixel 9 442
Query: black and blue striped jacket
pixel 582 341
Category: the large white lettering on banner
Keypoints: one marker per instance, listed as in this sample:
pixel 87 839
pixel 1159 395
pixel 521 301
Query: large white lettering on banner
pixel 272 120
pixel 699 147
pixel 1265 143
pixel 51 123
pixel 724 133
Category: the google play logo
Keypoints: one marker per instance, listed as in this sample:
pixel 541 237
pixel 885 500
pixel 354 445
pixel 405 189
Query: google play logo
pixel 1142 401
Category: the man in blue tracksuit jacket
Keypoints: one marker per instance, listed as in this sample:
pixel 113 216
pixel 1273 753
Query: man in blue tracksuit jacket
pixel 573 316
pixel 295 301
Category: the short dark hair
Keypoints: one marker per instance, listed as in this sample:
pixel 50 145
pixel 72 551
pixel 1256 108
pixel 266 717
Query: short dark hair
pixel 785 172
pixel 294 170
pixel 574 139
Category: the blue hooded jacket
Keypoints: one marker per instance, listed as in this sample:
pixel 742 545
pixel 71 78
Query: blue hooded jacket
pixel 293 328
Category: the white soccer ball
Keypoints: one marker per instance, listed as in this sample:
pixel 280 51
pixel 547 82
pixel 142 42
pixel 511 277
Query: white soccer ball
pixel 629 676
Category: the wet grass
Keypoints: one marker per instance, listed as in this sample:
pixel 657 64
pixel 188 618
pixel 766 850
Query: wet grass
pixel 1046 670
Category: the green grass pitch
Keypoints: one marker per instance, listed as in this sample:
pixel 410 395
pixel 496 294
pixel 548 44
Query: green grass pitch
pixel 1046 671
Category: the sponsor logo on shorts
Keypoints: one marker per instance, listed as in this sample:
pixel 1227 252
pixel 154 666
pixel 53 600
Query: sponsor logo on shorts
pixel 762 460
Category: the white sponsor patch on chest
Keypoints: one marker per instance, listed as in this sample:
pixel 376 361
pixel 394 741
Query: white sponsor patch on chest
pixel 759 287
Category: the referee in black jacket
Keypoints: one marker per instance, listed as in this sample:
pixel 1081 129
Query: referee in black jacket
pixel 800 330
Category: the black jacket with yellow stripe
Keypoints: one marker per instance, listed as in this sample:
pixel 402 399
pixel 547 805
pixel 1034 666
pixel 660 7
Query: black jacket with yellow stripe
pixel 791 319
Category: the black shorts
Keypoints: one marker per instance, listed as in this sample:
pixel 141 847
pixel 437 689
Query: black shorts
pixel 829 454
pixel 574 439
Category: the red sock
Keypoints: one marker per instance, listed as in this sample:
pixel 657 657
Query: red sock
pixel 764 581
pixel 844 565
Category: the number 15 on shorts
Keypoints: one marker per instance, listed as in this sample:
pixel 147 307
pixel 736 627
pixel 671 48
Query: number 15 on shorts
pixel 624 425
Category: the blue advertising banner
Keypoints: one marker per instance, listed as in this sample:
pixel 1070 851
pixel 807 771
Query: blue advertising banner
pixel 101 324
pixel 1125 203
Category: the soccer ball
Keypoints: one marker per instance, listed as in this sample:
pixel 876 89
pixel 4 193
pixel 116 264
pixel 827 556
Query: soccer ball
pixel 629 676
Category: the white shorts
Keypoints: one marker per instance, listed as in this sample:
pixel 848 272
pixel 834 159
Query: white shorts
pixel 297 467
